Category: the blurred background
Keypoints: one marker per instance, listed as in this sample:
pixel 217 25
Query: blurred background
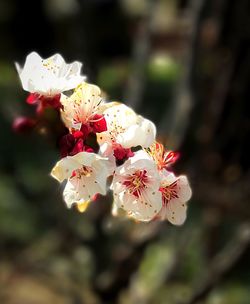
pixel 185 64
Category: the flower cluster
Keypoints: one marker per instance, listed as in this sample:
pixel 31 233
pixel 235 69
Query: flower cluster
pixel 106 142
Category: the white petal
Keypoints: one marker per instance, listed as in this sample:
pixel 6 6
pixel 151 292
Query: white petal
pixel 49 76
pixel 85 158
pixel 82 190
pixel 94 188
pixel 119 115
pixel 132 137
pixel 176 212
pixel 184 190
pixel 64 168
pixel 71 196
pixel 149 204
pixel 148 128
pixel 126 128
pixel 56 59
pixel 32 63
pixel 167 176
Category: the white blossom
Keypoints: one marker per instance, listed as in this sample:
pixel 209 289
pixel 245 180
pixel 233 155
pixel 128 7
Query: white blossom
pixel 175 193
pixel 82 106
pixel 49 77
pixel 86 175
pixel 136 186
pixel 126 128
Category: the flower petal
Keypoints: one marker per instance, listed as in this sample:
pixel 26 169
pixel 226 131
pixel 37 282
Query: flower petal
pixel 49 76
pixel 184 190
pixel 64 168
pixel 176 212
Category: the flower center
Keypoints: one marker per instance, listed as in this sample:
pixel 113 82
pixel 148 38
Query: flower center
pixel 136 182
pixel 169 192
pixel 83 172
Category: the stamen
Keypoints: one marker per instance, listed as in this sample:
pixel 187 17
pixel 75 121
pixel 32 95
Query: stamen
pixel 169 192
pixel 84 171
pixel 136 182
pixel 162 157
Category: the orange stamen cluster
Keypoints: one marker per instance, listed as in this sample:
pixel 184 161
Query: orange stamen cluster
pixel 162 157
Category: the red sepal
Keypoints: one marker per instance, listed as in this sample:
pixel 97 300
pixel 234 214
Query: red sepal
pixel 121 153
pixel 71 145
pixel 98 123
pixel 32 98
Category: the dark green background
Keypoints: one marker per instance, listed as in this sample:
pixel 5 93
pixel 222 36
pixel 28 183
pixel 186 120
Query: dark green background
pixel 183 64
